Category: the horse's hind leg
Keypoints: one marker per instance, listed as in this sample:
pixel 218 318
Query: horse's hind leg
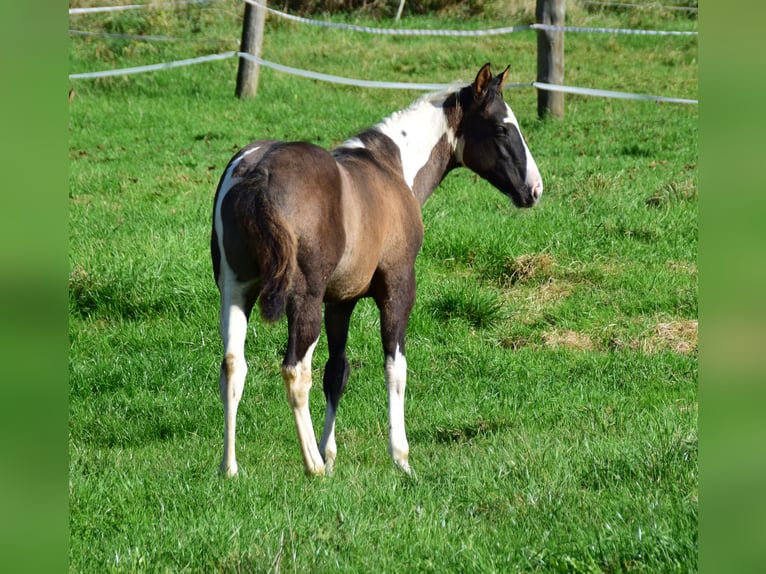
pixel 304 323
pixel 235 310
pixel 337 317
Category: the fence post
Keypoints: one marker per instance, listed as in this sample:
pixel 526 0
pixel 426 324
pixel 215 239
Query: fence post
pixel 550 57
pixel 252 43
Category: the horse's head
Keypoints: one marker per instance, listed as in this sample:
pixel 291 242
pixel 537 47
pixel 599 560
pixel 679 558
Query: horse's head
pixel 490 141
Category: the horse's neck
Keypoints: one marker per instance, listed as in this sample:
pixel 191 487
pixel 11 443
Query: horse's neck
pixel 426 144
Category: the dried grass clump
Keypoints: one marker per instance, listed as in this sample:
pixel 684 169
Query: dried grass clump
pixel 569 339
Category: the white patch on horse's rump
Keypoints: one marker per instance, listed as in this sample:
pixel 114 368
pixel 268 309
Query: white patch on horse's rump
pixel 227 183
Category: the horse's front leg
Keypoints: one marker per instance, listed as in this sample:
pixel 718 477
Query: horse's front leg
pixel 395 309
pixel 304 320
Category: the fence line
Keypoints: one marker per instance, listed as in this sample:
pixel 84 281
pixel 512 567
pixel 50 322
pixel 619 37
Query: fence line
pixel 611 30
pixel 458 33
pixel 406 31
pixel 368 83
pixel 609 93
pixel 353 82
pixel 162 4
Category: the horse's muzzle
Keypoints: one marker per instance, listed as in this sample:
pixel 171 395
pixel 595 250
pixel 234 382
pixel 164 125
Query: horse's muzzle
pixel 536 191
pixel 528 196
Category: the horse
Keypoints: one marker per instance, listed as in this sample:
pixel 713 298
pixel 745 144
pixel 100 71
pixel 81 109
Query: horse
pixel 297 228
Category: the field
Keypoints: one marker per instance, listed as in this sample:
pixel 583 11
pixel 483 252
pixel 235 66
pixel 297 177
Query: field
pixel 552 352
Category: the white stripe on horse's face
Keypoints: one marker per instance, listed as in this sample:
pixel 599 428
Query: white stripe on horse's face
pixel 534 179
pixel 416 131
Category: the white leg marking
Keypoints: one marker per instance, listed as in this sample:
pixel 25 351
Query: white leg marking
pixel 396 382
pixel 233 323
pixel 327 447
pixel 298 384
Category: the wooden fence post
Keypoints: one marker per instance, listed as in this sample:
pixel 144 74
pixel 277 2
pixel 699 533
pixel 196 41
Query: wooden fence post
pixel 252 43
pixel 550 57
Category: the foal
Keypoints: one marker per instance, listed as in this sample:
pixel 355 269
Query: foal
pixel 296 227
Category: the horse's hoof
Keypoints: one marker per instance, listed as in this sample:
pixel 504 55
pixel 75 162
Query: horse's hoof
pixel 228 471
pixel 404 465
pixel 316 470
pixel 329 460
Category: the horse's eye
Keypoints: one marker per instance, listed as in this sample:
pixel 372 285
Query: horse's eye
pixel 501 131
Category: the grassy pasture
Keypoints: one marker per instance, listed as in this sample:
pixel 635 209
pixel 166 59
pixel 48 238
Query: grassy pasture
pixel 552 353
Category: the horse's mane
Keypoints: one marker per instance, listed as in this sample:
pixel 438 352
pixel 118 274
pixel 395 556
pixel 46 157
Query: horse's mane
pixel 441 95
pixel 433 98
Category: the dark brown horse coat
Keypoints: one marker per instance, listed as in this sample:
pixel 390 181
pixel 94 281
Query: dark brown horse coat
pixel 296 227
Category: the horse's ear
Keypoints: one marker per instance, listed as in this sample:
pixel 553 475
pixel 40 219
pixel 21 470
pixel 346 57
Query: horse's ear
pixel 503 77
pixel 481 83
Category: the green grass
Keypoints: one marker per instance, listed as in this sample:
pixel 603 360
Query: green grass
pixel 552 352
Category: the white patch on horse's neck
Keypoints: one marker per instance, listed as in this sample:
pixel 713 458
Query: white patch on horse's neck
pixel 416 131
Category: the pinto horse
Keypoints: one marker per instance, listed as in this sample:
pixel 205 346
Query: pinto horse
pixel 296 227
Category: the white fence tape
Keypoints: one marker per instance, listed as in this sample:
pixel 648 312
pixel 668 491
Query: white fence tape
pixel 97 9
pixel 353 82
pixel 609 93
pixel 339 79
pixel 611 30
pixel 152 67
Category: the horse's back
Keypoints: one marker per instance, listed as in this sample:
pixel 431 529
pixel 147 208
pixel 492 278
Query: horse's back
pixel 299 179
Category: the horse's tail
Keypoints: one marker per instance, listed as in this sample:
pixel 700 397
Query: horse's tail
pixel 272 243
